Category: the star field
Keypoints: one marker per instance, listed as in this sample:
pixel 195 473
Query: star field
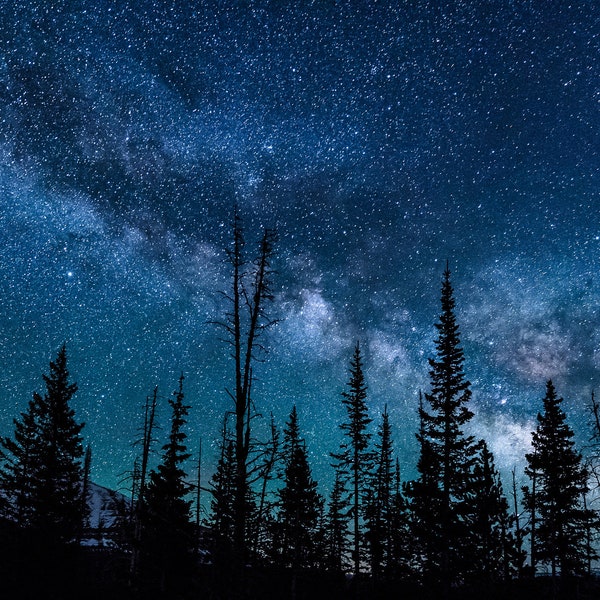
pixel 380 139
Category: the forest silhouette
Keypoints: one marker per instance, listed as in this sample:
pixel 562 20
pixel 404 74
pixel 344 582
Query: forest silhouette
pixel 451 532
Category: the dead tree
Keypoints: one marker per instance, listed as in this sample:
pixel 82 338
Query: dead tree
pixel 519 532
pixel 146 441
pixel 198 486
pixel 244 323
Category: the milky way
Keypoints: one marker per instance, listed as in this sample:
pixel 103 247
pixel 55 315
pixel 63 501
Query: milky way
pixel 380 139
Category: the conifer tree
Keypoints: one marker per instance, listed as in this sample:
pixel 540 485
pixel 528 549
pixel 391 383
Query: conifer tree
pixel 267 471
pixel 42 471
pixel 561 481
pixel 167 534
pixel 336 526
pixel 57 509
pixel 222 490
pixel 496 554
pixel 400 546
pixel 378 521
pixel 291 436
pixel 19 456
pixel 355 459
pixel 299 501
pixel 530 504
pixel 447 454
pixel 425 504
pixel 139 478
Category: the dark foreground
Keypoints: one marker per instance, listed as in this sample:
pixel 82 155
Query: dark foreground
pixel 94 574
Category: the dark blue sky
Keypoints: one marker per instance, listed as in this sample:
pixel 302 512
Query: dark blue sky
pixel 380 138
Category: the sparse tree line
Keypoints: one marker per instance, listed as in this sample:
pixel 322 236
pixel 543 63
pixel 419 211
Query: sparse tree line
pixel 269 532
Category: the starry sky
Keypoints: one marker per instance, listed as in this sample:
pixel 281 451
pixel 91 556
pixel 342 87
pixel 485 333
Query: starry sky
pixel 380 139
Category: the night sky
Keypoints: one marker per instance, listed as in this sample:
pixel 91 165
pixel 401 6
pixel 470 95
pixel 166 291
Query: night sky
pixel 380 139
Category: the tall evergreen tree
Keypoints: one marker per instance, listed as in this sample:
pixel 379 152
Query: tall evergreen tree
pixel 378 514
pixel 336 526
pixel 355 459
pixel 530 504
pixel 222 504
pixel 447 453
pixel 167 534
pixel 267 471
pixel 425 505
pixel 19 456
pixel 400 555
pixel 291 436
pixel 561 482
pixel 139 479
pixel 59 475
pixel 496 554
pixel 42 471
pixel 299 501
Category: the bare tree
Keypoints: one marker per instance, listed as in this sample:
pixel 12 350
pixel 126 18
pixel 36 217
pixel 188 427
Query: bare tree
pixel 244 323
pixel 140 476
pixel 519 531
pixel 198 485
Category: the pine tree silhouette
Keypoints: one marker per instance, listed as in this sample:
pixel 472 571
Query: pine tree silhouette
pixel 561 482
pixel 447 456
pixel 19 464
pixel 399 561
pixel 336 526
pixel 222 484
pixel 378 513
pixel 167 542
pixel 299 501
pixel 42 473
pixel 355 459
pixel 425 505
pixel 496 552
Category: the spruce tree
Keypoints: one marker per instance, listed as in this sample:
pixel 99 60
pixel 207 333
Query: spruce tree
pixel 299 501
pixel 222 489
pixel 425 505
pixel 447 454
pixel 167 534
pixel 355 459
pixel 267 470
pixel 42 471
pixel 336 526
pixel 399 553
pixel 139 482
pixel 378 514
pixel 496 553
pixel 19 456
pixel 58 509
pixel 561 481
pixel 291 436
